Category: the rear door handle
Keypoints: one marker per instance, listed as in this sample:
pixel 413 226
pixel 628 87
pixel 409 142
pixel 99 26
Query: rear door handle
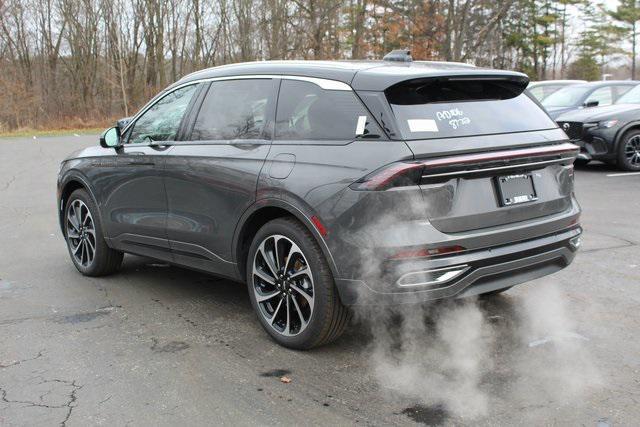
pixel 139 162
pixel 142 163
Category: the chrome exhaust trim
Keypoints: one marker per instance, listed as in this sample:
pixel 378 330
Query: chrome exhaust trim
pixel 431 278
pixel 576 242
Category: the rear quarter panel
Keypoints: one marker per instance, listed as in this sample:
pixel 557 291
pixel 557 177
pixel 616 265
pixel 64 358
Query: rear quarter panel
pixel 319 177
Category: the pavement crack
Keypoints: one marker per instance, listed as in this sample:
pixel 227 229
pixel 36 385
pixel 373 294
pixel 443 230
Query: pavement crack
pixel 73 398
pixel 18 362
pixel 105 400
pixel 613 236
pixel 590 251
pixel 69 405
pixel 8 183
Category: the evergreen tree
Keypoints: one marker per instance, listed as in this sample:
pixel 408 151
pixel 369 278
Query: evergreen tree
pixel 628 13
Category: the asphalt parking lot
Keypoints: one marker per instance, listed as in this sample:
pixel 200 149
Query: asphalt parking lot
pixel 159 345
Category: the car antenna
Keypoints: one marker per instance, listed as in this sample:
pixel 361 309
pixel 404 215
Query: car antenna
pixel 398 55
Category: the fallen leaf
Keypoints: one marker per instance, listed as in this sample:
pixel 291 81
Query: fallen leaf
pixel 285 380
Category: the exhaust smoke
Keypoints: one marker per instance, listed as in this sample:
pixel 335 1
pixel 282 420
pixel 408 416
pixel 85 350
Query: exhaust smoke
pixel 554 361
pixel 434 355
pixel 465 356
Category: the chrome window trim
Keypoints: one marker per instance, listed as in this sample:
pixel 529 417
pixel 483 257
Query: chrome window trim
pixel 326 84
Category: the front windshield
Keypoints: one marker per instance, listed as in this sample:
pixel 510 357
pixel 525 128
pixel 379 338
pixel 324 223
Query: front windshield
pixel 567 97
pixel 631 97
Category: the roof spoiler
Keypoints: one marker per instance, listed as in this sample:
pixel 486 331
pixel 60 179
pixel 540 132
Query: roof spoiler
pixel 469 87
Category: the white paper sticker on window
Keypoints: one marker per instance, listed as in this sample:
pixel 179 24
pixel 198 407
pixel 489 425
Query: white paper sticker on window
pixel 362 122
pixel 422 125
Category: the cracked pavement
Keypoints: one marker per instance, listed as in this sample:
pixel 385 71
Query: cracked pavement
pixel 157 345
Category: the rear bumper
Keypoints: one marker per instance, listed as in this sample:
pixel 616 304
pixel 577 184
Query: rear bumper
pixel 485 270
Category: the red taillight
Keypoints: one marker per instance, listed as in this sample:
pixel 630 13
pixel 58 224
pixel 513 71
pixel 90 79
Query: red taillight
pixel 566 148
pixel 426 252
pixel 411 173
pixel 393 175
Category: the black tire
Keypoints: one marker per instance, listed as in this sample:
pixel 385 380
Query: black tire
pixel 581 162
pixel 105 260
pixel 629 140
pixel 328 318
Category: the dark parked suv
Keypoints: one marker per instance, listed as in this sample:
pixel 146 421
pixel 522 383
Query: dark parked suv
pixel 327 184
pixel 610 134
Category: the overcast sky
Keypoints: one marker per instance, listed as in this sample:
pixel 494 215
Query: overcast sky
pixel 611 4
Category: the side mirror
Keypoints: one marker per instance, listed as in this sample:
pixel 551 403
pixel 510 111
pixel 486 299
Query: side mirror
pixel 110 138
pixel 591 103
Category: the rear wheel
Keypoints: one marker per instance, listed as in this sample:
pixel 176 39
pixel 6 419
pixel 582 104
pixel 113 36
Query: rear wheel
pixel 83 232
pixel 629 151
pixel 291 286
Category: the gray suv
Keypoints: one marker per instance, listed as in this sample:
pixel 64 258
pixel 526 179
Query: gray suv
pixel 327 184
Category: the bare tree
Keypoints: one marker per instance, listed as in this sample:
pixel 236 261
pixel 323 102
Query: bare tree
pixel 84 62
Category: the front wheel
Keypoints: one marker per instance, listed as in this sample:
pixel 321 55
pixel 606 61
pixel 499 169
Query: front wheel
pixel 291 287
pixel 83 232
pixel 629 151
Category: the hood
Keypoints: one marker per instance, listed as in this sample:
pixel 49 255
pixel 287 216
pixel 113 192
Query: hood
pixel 554 112
pixel 595 114
pixel 93 151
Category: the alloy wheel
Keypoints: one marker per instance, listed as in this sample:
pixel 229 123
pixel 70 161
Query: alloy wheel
pixel 283 285
pixel 81 233
pixel 632 150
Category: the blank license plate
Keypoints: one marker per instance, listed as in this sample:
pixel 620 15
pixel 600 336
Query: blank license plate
pixel 516 189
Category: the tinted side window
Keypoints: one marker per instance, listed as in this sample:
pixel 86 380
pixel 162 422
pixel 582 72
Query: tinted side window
pixel 162 121
pixel 618 91
pixel 548 90
pixel 233 109
pixel 538 92
pixel 602 95
pixel 308 112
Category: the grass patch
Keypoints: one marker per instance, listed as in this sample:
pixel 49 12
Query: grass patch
pixel 50 132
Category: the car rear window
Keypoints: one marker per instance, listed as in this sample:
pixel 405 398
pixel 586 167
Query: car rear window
pixel 435 108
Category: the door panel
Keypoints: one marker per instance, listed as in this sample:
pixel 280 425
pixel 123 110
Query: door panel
pixel 136 209
pixel 211 180
pixel 208 189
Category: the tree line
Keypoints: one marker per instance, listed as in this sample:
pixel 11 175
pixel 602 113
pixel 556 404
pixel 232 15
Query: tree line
pixel 70 63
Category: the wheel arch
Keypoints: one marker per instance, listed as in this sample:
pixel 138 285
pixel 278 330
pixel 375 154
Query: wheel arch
pixel 71 183
pixel 259 214
pixel 635 125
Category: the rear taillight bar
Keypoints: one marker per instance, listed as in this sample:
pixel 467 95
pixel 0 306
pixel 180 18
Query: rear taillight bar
pixel 412 173
pixel 566 148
